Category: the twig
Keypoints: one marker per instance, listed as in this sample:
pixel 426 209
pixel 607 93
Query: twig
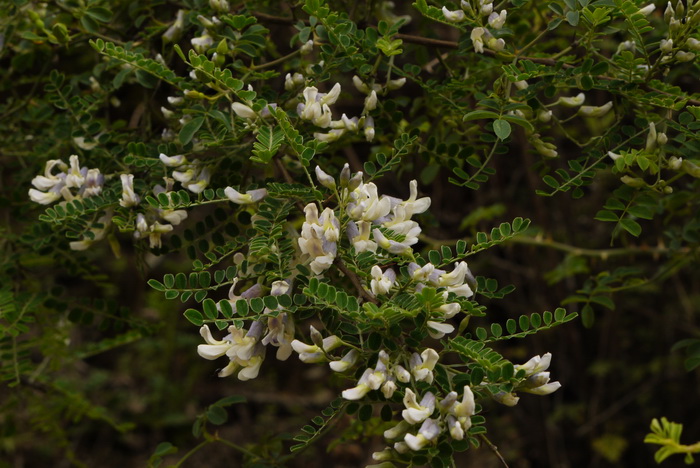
pixel 494 449
pixel 356 281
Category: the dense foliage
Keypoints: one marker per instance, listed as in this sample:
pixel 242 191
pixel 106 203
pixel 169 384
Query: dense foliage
pixel 274 186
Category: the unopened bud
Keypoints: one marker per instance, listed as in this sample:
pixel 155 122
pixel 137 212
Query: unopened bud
pixel 662 139
pixel 325 179
pixel 316 337
pixel 632 181
pixel 680 9
pixel 192 94
pixel 669 13
pixel 544 115
pixel 651 138
pixel 666 45
pixel 683 56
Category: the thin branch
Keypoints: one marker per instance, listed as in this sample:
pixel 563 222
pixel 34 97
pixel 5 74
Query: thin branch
pixel 356 281
pixel 494 449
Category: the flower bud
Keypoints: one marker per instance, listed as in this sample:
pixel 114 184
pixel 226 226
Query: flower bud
pixel 666 46
pixel 683 56
pixel 544 116
pixel 675 163
pixel 325 179
pixel 651 138
pixel 632 181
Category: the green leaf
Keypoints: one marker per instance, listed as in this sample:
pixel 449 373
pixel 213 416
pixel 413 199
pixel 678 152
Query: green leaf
pixel 90 24
pixel 501 128
pixel 572 18
pixel 100 14
pixel 157 285
pixel 605 215
pixel 194 316
pixel 631 226
pixel 480 114
pixel 189 129
pixel 210 308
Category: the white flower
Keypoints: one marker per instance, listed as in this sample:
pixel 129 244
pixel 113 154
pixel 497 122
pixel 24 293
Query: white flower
pixel 535 364
pixel 651 137
pixel 369 128
pixel 596 111
pixel 507 399
pixel 647 10
pixel 75 176
pixel 422 366
pixel 399 82
pixel 413 204
pixel 414 412
pixel 244 111
pixel 174 216
pixel 82 144
pixel 390 245
pixel 453 16
pixel 251 196
pixel 455 281
pixel 538 380
pixel 129 198
pixel 307 47
pixel 370 102
pixel 325 179
pixel 381 282
pixel 332 96
pixel 397 431
pixel 438 329
pixel 544 116
pixel 572 101
pixel 371 379
pixel 476 36
pixel 173 33
pixel 367 204
pixel 202 43
pixel 329 137
pixel 360 85
pixel 359 235
pixel 346 362
pixel 428 432
pixel 199 182
pixel 292 81
pixel 450 310
pixel 173 161
pixel 497 20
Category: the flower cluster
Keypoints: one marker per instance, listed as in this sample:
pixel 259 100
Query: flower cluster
pixel 194 176
pixel 70 183
pixel 245 349
pixel 482 12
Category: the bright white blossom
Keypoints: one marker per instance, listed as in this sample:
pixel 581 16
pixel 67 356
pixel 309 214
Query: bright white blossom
pixel 251 196
pixel 453 16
